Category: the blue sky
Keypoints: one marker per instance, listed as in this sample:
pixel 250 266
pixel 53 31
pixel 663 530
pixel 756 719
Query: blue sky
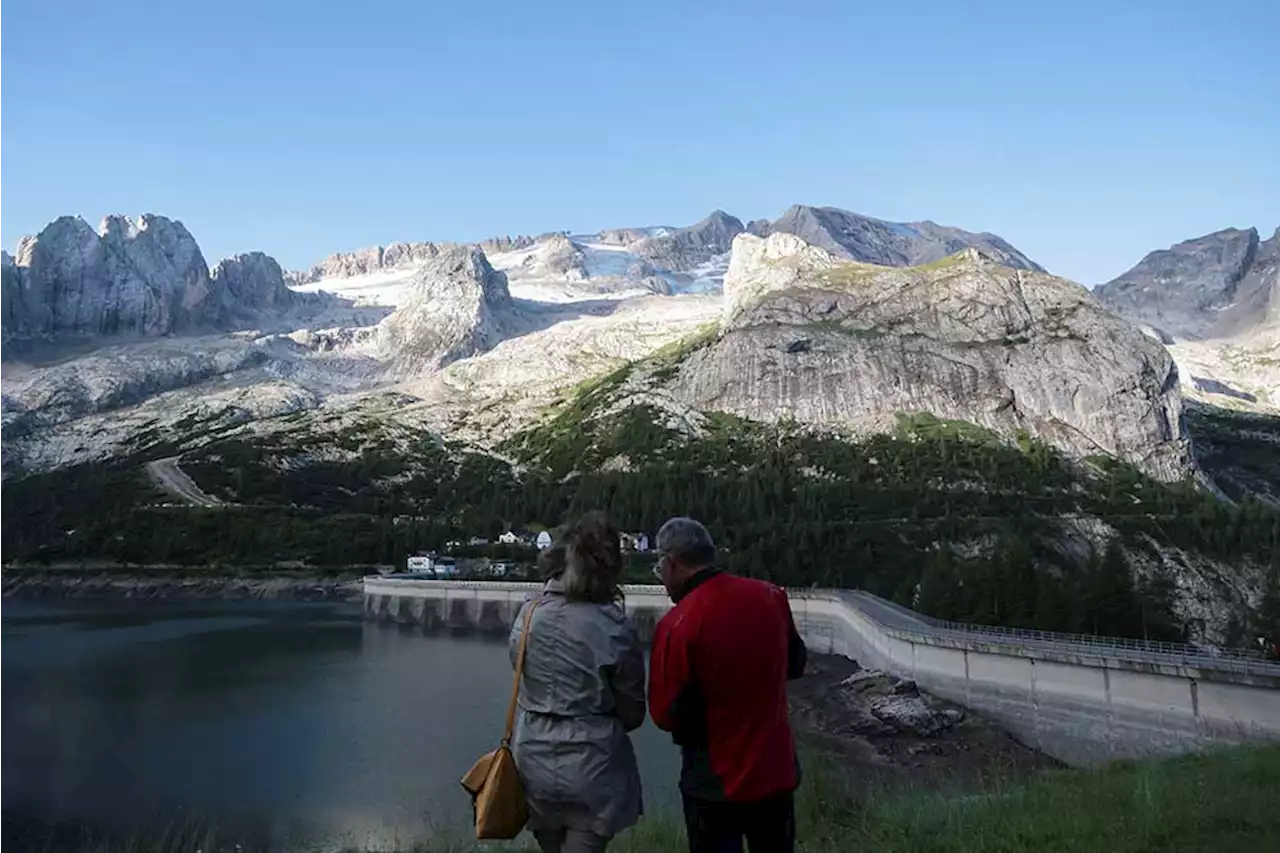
pixel 1085 133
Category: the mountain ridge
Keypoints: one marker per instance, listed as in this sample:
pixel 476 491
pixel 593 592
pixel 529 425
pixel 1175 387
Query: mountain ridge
pixel 1219 285
pixel 699 252
pixel 805 334
pixel 133 278
pixel 856 237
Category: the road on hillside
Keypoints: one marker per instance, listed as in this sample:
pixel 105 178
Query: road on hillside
pixel 174 480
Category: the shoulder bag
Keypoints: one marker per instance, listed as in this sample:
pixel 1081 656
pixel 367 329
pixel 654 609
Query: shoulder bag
pixel 493 783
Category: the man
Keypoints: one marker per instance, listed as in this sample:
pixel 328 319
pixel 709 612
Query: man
pixel 718 682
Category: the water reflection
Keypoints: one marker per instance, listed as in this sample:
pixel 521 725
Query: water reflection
pixel 298 720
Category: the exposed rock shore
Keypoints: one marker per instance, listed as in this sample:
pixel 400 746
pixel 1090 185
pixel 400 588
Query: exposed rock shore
pixel 179 584
pixel 881 731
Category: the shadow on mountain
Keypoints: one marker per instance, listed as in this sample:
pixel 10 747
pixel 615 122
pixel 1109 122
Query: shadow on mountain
pixel 1213 386
pixel 1239 450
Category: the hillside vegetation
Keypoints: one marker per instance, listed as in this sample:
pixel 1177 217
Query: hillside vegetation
pixel 942 515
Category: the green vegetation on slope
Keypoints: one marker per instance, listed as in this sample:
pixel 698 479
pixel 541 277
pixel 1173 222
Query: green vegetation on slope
pixel 1240 450
pixel 975 523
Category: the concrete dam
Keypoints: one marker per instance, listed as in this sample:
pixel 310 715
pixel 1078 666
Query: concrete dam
pixel 1084 700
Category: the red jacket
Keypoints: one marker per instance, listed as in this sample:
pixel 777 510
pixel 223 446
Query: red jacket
pixel 718 682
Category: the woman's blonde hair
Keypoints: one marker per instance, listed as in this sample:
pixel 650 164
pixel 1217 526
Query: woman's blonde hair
pixel 593 560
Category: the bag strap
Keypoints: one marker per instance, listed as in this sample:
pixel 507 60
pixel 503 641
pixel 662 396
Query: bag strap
pixel 515 688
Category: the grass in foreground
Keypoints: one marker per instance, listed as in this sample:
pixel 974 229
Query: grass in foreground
pixel 1225 802
pixel 1222 802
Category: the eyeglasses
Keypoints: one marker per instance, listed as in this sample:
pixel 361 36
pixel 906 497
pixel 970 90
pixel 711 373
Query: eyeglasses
pixel 657 568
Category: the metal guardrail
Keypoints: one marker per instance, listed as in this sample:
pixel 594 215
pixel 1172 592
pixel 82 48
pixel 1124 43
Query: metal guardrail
pixel 1150 651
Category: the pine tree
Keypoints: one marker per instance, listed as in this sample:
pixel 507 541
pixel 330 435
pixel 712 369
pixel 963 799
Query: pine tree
pixel 1016 587
pixel 1266 622
pixel 939 586
pixel 1109 597
pixel 1155 596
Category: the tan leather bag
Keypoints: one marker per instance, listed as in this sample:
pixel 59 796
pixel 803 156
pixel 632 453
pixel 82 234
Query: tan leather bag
pixel 494 785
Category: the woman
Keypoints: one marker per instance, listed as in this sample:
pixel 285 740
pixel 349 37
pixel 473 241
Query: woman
pixel 582 691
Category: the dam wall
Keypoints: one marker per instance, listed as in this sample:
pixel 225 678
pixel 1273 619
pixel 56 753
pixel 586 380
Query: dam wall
pixel 1084 700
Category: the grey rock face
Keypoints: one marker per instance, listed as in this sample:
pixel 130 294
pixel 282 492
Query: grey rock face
pixel 1220 285
pixel 966 339
pixel 26 245
pixel 1258 296
pixel 401 254
pixel 896 244
pixel 132 278
pixel 347 264
pixel 10 292
pixel 117 377
pixel 143 278
pixel 506 243
pixel 560 258
pixel 457 306
pixel 627 236
pixel 686 248
pixel 759 227
pixel 245 287
pixel 365 261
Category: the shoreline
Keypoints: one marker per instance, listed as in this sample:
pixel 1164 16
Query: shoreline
pixel 176 583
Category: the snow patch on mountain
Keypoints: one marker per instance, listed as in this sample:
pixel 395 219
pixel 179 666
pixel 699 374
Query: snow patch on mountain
pixel 385 288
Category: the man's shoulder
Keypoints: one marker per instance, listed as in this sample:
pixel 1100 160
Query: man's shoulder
pixel 756 586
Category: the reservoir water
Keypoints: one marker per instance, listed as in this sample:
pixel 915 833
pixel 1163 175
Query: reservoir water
pixel 297 724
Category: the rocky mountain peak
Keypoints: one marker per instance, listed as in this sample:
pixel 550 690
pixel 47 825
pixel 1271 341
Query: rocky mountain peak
pixel 1220 285
pixel 457 305
pixel 10 293
pixel 507 243
pixel 371 259
pixel 759 265
pixel 134 277
pixel 875 241
pixel 402 254
pixel 825 340
pixel 558 257
pixel 247 284
pixel 626 236
pixel 685 248
pixel 716 230
pixel 22 252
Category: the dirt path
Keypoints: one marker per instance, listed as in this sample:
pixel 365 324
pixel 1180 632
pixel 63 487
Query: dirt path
pixel 174 480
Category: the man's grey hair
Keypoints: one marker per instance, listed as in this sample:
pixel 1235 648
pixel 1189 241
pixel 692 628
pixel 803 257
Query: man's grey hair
pixel 687 541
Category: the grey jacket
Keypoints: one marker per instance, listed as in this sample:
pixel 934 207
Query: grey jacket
pixel 583 690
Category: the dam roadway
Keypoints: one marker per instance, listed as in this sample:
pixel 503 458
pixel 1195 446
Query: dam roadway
pixel 1081 699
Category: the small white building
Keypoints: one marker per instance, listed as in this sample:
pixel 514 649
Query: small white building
pixel 509 538
pixel 642 542
pixel 420 563
pixel 543 541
